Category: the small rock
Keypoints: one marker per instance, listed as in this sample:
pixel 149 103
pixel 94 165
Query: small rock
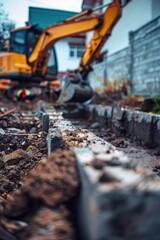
pixel 15 156
pixel 33 130
pixel 2 132
pixel 1 164
pixel 31 137
pixel 14 130
pixel 32 149
pixel 95 125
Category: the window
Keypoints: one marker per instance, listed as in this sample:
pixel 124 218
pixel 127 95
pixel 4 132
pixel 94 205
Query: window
pixel 76 51
pixel 32 39
pixel 17 41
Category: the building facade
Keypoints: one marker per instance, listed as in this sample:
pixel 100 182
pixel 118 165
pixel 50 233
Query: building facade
pixel 69 50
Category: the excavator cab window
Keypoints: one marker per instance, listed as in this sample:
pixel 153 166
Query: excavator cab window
pixel 18 42
pixel 32 38
pixel 52 63
pixel 24 41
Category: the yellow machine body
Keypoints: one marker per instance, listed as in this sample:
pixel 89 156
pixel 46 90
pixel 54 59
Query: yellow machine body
pixel 13 66
pixel 30 49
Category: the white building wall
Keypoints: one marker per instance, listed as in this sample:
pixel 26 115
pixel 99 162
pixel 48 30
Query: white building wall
pixel 134 15
pixel 64 60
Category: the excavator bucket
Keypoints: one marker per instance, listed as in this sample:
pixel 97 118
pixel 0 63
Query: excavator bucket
pixel 74 92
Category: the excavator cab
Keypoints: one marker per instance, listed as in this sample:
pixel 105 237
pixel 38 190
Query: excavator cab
pixel 23 41
pixel 31 55
pixel 14 64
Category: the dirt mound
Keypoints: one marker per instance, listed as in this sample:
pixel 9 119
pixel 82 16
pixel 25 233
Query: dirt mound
pixel 37 210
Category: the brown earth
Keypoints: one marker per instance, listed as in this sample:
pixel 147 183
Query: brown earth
pixel 36 192
pixel 39 210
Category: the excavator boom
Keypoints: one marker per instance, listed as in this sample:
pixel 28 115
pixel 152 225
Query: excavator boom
pixel 30 63
pixel 100 36
pixel 81 92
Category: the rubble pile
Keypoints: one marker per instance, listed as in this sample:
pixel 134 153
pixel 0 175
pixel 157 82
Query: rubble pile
pixel 20 150
pixel 40 209
pixel 36 192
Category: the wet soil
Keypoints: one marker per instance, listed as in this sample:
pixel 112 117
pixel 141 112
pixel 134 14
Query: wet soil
pixel 112 100
pixel 37 193
pixel 140 155
pixel 40 209
pixel 22 145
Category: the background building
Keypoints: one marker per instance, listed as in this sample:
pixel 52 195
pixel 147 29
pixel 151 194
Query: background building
pixel 69 50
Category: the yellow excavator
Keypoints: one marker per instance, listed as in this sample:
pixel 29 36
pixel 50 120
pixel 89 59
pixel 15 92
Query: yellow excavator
pixel 30 49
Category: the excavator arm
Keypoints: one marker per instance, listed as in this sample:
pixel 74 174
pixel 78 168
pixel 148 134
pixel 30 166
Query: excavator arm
pixel 100 36
pixel 33 65
pixel 75 87
pixel 83 22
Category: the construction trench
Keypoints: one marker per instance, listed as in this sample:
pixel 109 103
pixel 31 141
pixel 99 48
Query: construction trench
pixel 79 172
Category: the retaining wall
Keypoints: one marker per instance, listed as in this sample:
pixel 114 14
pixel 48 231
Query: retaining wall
pixel 145 59
pixel 116 200
pixel 139 63
pixel 118 65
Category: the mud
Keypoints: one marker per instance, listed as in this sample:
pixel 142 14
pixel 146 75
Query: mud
pixel 40 209
pixel 20 150
pixel 112 100
pixel 37 193
pixel 141 156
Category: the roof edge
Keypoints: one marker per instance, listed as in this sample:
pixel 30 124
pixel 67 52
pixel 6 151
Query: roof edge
pixel 52 9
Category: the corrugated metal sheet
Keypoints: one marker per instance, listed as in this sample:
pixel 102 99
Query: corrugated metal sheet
pixel 47 17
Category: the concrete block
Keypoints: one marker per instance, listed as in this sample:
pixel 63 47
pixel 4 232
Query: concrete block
pixel 118 119
pixel 55 133
pixel 100 115
pixel 90 111
pixel 156 130
pixel 45 122
pixel 54 140
pixel 142 127
pixel 109 112
pixel 116 202
pixel 139 126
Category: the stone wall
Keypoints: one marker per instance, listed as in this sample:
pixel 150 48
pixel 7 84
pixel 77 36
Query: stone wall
pixel 145 59
pixel 114 67
pixel 97 77
pixel 118 65
pixel 139 63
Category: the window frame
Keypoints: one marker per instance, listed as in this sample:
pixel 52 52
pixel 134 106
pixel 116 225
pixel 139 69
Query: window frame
pixel 76 51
